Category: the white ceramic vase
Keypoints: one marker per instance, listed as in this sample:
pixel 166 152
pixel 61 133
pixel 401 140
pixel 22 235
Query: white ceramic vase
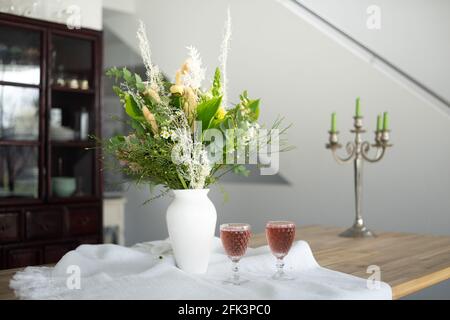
pixel 191 220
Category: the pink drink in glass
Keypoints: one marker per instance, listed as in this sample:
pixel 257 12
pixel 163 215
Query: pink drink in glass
pixel 280 236
pixel 235 238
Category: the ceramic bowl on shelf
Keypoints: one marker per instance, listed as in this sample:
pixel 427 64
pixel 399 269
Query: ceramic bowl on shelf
pixel 64 187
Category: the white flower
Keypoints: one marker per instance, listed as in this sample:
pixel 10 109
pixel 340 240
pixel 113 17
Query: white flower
pixel 165 134
pixel 194 72
pixel 191 158
pixel 223 59
pixel 152 71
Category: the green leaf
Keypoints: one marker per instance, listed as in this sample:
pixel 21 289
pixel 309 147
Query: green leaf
pixel 132 109
pixel 216 123
pixel 217 84
pixel 136 125
pixel 207 110
pixel 139 83
pixel 118 91
pixel 244 96
pixel 177 101
pixel 128 76
pixel 183 182
pixel 114 73
pixel 117 140
pixel 253 106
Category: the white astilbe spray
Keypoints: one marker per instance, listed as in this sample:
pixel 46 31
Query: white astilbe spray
pixel 194 164
pixel 152 71
pixel 223 59
pixel 196 74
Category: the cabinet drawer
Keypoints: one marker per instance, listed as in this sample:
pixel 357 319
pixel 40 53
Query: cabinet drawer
pixel 88 241
pixel 9 227
pixel 54 253
pixel 44 224
pixel 84 221
pixel 20 258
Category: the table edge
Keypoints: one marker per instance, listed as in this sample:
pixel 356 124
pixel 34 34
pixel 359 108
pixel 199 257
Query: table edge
pixel 413 286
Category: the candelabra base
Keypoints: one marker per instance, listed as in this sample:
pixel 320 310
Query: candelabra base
pixel 358 231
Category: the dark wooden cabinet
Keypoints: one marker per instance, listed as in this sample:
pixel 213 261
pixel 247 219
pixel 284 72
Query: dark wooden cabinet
pixel 17 258
pixel 83 221
pixel 50 170
pixel 44 224
pixel 54 253
pixel 9 227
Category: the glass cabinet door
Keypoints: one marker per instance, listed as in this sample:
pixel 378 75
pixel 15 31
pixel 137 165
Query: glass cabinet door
pixel 72 63
pixel 20 106
pixel 72 118
pixel 19 172
pixel 20 55
pixel 19 113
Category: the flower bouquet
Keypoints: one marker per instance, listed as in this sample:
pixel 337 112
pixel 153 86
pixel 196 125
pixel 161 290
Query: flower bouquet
pixel 185 138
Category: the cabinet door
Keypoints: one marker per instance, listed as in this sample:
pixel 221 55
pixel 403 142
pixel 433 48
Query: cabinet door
pixel 54 253
pixel 44 224
pixel 20 258
pixel 21 112
pixel 83 221
pixel 20 55
pixel 9 227
pixel 73 112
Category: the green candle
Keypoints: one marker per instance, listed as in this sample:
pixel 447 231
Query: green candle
pixel 358 108
pixel 380 123
pixel 333 123
pixel 386 121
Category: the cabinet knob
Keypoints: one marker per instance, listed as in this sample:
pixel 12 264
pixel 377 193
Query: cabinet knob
pixel 3 228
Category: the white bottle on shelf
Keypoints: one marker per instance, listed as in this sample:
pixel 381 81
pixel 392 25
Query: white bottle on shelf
pixel 84 124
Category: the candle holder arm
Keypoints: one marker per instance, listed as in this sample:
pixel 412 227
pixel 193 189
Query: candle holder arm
pixel 365 152
pixel 350 148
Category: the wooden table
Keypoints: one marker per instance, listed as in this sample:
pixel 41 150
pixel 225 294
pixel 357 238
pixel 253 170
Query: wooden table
pixel 408 262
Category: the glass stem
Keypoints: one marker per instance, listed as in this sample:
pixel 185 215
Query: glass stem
pixel 235 269
pixel 280 267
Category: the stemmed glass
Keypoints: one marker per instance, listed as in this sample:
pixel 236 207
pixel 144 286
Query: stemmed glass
pixel 280 236
pixel 235 238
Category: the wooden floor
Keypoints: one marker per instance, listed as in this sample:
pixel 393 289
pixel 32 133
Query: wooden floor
pixel 408 262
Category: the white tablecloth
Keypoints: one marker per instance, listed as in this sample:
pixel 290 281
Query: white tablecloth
pixel 148 271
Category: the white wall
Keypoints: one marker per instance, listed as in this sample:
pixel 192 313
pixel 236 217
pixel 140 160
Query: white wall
pixel 124 6
pixel 414 34
pixel 91 10
pixel 299 73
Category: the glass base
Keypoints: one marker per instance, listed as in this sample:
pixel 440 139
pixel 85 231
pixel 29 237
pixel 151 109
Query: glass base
pixel 235 282
pixel 282 277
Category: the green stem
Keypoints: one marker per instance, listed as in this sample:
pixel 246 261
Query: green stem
pixel 182 181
